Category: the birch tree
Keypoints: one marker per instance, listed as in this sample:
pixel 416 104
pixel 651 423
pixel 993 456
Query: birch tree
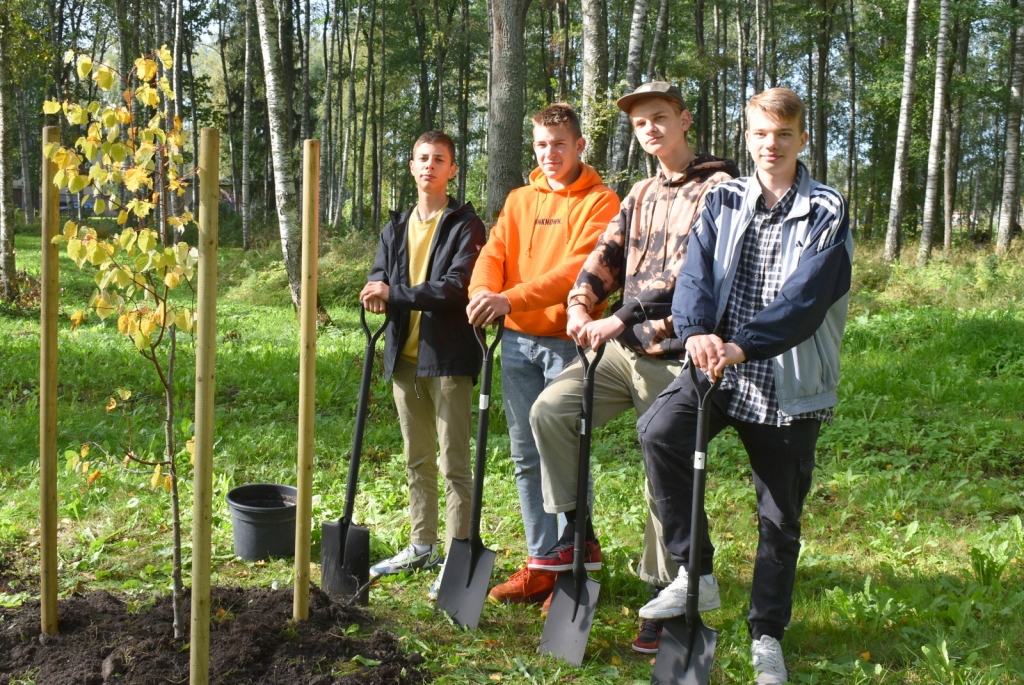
pixel 962 37
pixel 634 56
pixel 280 147
pixel 7 268
pixel 507 102
pixel 595 81
pixel 1011 170
pixel 247 129
pixel 931 191
pixel 899 176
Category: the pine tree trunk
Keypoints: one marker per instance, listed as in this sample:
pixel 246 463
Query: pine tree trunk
pixel 952 170
pixel 378 177
pixel 352 39
pixel 931 189
pixel 703 123
pixel 465 67
pixel 851 133
pixel 658 43
pixel 357 206
pixel 821 112
pixel 595 81
pixel 1008 209
pixel 507 107
pixel 758 47
pixel 620 161
pixel 286 49
pixel 247 129
pixel 281 149
pixel 307 103
pixel 235 190
pixel 897 200
pixel 742 33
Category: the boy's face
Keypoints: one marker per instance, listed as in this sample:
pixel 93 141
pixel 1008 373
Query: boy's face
pixel 659 128
pixel 558 150
pixel 432 167
pixel 774 143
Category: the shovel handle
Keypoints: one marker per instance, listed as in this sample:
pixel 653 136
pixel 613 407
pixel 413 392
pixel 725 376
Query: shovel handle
pixel 483 419
pixel 697 515
pixel 362 409
pixel 583 474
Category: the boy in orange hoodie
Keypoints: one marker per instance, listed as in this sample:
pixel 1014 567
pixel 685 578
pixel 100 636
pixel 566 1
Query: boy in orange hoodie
pixel 525 271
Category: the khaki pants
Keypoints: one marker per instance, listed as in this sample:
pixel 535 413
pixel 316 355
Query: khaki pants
pixel 440 413
pixel 624 380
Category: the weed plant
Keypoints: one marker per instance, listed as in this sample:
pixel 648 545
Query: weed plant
pixel 910 570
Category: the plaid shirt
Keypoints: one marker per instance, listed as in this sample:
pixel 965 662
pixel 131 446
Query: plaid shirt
pixel 757 283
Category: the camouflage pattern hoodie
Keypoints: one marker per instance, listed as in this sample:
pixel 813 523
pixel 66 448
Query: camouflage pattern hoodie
pixel 658 213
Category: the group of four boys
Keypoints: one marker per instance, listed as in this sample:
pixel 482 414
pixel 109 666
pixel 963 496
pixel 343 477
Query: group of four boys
pixel 748 276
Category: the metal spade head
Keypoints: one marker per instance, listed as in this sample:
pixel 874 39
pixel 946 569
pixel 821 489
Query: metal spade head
pixel 345 560
pixel 685 654
pixel 464 585
pixel 570 618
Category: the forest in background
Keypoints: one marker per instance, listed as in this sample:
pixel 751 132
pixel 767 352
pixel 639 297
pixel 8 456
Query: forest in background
pixel 367 76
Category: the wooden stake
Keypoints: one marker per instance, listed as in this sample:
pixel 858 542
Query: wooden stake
pixel 206 342
pixel 307 374
pixel 50 212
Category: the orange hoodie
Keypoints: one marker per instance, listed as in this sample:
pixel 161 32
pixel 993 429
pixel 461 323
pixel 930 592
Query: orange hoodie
pixel 538 246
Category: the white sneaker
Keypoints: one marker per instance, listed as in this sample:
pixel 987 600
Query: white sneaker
pixel 435 586
pixel 408 560
pixel 671 601
pixel 769 666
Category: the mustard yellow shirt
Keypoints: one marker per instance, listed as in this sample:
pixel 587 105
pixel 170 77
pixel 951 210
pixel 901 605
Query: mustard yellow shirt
pixel 421 237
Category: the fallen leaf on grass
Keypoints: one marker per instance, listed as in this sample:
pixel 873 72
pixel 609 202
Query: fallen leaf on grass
pixel 495 676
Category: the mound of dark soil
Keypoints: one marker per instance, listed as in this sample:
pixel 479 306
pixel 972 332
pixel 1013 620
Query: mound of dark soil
pixel 252 641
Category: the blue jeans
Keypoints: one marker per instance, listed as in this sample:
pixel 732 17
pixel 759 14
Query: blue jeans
pixel 528 364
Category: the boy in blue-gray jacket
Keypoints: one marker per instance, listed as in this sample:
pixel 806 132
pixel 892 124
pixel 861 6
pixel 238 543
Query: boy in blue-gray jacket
pixel 761 302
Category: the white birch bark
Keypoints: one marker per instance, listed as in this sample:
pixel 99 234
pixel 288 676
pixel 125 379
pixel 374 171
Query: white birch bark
pixel 595 81
pixel 931 189
pixel 637 28
pixel 1011 170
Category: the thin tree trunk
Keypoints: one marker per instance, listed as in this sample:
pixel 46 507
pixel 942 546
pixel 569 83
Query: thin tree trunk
pixel 464 82
pixel 703 125
pixel 353 46
pixel 851 134
pixel 821 111
pixel 367 106
pixel 507 106
pixel 194 118
pixel 742 33
pixel 307 103
pixel 281 150
pixel 1008 209
pixel 27 197
pixel 758 47
pixel 378 180
pixel 286 50
pixel 595 81
pixel 931 189
pixel 952 170
pixel 247 129
pixel 235 190
pixel 637 28
pixel 897 199
pixel 658 42
pixel 7 266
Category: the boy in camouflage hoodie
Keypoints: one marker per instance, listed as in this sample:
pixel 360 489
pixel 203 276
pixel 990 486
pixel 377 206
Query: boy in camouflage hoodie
pixel 641 253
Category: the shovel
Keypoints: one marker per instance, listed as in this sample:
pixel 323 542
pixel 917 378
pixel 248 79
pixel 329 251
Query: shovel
pixel 467 571
pixel 571 615
pixel 687 647
pixel 345 547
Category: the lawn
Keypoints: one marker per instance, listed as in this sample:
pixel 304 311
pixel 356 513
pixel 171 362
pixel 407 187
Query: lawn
pixel 909 570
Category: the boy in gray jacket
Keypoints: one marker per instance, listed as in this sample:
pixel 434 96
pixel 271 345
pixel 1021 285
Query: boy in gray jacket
pixel 761 302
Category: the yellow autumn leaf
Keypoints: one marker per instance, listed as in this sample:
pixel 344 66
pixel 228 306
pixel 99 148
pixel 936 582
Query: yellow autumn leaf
pixel 93 477
pixel 496 677
pixel 147 240
pixel 99 206
pixel 122 218
pixel 51 107
pixel 124 394
pixel 122 324
pixel 111 405
pixel 183 320
pixel 171 279
pixel 77 318
pixel 154 481
pixel 866 656
pixel 76 250
pixel 145 69
pixel 103 77
pixel 165 56
pixel 103 309
pixel 77 183
pixel 96 253
pixel 141 340
pixel 147 325
pixel 84 66
pixel 84 452
pixel 167 483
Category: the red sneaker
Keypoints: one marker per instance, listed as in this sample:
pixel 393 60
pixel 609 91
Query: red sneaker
pixel 560 558
pixel 649 638
pixel 525 586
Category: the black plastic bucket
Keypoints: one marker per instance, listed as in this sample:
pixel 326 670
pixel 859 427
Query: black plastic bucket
pixel 263 520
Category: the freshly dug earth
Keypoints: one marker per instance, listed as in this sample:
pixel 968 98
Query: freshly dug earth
pixel 253 640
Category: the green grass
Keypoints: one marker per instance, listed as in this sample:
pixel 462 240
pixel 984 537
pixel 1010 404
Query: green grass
pixel 911 530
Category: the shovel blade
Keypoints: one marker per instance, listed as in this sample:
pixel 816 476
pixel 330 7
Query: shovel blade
pixel 465 583
pixel 564 636
pixel 685 654
pixel 345 560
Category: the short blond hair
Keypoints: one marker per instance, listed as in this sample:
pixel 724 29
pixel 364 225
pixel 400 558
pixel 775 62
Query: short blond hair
pixel 781 104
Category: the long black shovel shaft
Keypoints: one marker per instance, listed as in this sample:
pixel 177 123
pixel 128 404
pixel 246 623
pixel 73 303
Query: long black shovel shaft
pixel 699 482
pixel 480 463
pixel 583 472
pixel 362 409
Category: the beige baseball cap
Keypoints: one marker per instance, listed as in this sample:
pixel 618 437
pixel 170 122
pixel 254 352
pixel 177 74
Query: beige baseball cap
pixel 658 89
